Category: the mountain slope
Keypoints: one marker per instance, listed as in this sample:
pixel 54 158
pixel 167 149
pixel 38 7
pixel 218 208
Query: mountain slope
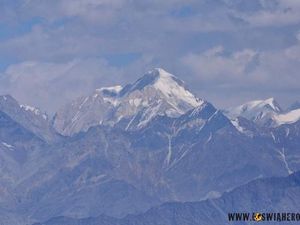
pixel 79 174
pixel 29 117
pixel 196 156
pixel 16 144
pixel 19 158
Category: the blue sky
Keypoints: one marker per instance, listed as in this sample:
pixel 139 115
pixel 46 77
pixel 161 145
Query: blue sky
pixel 227 51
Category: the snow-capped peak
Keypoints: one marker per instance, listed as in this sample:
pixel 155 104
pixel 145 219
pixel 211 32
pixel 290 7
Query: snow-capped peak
pixel 172 88
pixel 156 93
pixel 264 112
pixel 261 112
pixel 254 109
pixel 258 105
pixel 149 79
pixel 273 104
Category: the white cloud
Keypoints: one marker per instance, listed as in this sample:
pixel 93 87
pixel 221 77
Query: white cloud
pixel 49 85
pixel 274 13
pixel 269 70
pixel 230 79
pixel 215 66
pixel 275 18
pixel 68 45
pixel 298 36
pixel 91 10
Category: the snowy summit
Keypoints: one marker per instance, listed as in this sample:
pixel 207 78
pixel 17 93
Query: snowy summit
pixel 157 93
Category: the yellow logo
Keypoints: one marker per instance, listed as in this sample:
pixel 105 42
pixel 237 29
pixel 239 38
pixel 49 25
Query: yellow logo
pixel 258 217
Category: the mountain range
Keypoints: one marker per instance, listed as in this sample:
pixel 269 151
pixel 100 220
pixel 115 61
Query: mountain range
pixel 262 195
pixel 130 150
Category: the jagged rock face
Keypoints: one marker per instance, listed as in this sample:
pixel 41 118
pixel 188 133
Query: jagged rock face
pixel 156 93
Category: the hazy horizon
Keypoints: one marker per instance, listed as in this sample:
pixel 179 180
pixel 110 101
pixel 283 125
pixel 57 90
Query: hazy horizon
pixel 234 104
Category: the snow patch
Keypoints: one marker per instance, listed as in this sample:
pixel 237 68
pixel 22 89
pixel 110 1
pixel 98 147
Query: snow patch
pixel 7 145
pixel 130 122
pixel 287 132
pixel 112 101
pixel 209 138
pixel 288 118
pixel 168 85
pixel 84 101
pixel 283 158
pixel 145 103
pixel 271 102
pixel 273 137
pixel 98 178
pixel 135 102
pixel 34 111
pixel 212 195
pixel 169 154
pixel 30 108
pixel 236 124
pixel 115 89
pixel 149 114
